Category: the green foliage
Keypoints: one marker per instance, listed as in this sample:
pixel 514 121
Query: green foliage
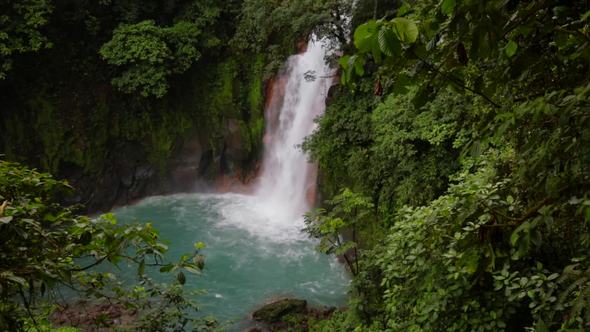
pixel 379 38
pixel 42 323
pixel 275 27
pixel 149 54
pixel 400 154
pixel 475 148
pixel 432 269
pixel 452 248
pixel 51 132
pixel 20 29
pixel 345 132
pixel 414 150
pixel 448 6
pixel 338 322
pixel 347 210
pixel 62 107
pixel 45 245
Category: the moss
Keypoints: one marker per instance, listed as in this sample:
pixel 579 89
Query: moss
pixel 256 101
pixel 97 147
pixel 223 93
pixel 251 99
pixel 160 147
pixel 82 124
pixel 251 135
pixel 255 89
pixel 214 100
pixel 84 137
pixel 163 134
pixel 256 134
pixel 232 89
pixel 50 131
pixel 16 137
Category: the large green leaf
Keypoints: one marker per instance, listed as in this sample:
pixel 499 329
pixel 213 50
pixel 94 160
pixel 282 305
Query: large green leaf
pixel 359 64
pixel 365 36
pixel 405 30
pixel 388 41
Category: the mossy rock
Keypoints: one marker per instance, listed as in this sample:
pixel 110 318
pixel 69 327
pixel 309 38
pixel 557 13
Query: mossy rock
pixel 276 311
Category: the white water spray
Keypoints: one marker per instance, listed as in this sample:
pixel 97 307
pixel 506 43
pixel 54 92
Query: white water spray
pixel 285 189
pixel 287 181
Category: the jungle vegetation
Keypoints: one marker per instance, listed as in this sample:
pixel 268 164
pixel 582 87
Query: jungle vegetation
pixel 79 81
pixel 454 153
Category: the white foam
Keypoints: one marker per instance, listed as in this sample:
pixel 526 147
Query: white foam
pixel 287 176
pixel 274 213
pixel 250 214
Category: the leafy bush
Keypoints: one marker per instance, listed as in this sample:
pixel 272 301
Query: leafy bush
pixel 21 24
pixel 476 160
pixel 45 246
pixel 149 54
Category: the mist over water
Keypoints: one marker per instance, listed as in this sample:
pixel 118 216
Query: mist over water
pixel 256 250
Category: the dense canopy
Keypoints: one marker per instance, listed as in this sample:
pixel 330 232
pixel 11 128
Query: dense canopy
pixel 454 153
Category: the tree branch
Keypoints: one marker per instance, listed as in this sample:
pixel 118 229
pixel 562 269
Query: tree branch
pixel 455 80
pixel 28 307
pixel 98 261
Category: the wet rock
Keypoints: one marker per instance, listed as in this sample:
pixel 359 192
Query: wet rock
pixel 207 165
pixel 184 166
pixel 190 153
pixel 235 149
pixel 129 174
pixel 287 315
pixel 256 329
pixel 302 46
pixel 332 93
pixel 144 172
pixel 275 311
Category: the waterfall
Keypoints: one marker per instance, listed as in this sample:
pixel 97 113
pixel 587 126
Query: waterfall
pixel 285 188
pixel 287 181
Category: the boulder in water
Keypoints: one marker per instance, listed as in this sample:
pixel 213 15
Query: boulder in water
pixel 275 311
pixel 287 315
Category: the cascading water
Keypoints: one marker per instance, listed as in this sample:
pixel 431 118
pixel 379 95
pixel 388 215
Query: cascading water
pixel 287 181
pixel 256 250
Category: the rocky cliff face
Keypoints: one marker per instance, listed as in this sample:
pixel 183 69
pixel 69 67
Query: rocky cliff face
pixel 130 176
pixel 115 149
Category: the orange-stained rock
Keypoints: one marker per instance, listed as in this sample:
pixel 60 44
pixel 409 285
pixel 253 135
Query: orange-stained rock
pixel 311 195
pixel 302 46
